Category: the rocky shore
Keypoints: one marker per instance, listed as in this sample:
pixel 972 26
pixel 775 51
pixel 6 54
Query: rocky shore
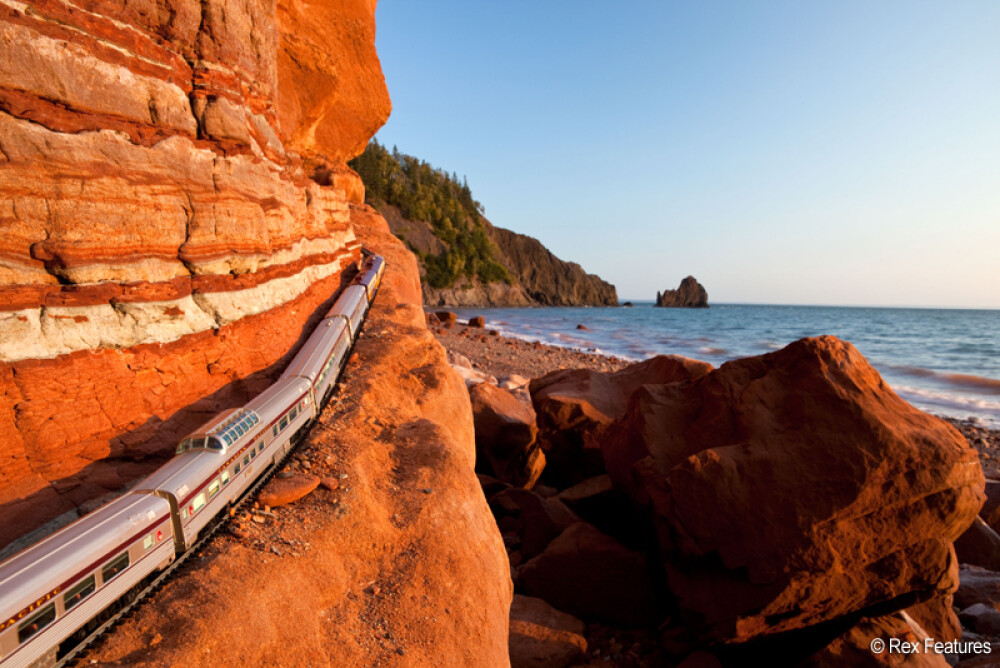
pixel 502 356
pixel 617 490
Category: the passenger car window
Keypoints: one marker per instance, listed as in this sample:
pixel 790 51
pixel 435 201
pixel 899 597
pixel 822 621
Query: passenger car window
pixel 225 478
pixel 214 488
pixel 79 592
pixel 197 504
pixel 36 623
pixel 114 567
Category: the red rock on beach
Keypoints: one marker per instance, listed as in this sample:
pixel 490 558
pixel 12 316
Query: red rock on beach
pixel 795 488
pixel 446 317
pixel 574 406
pixel 282 491
pixel 505 435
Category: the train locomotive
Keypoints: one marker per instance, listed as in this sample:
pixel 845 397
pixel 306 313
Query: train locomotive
pixel 65 586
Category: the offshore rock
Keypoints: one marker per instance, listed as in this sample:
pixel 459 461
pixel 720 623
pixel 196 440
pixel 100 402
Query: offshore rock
pixel 690 294
pixel 795 488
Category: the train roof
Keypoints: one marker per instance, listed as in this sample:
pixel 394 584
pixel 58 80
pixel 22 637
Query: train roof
pixel 76 549
pixel 183 474
pixel 350 293
pixel 273 401
pixel 315 350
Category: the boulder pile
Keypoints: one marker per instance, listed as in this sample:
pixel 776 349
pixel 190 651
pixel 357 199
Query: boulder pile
pixel 790 500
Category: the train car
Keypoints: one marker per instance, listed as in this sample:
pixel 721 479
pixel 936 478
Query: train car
pixel 370 275
pixel 60 586
pixel 322 357
pixel 56 586
pixel 216 464
pixel 284 408
pixel 197 485
pixel 352 304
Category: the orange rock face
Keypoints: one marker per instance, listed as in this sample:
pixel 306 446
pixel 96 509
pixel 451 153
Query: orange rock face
pixel 162 246
pixel 401 565
pixel 332 96
pixel 794 488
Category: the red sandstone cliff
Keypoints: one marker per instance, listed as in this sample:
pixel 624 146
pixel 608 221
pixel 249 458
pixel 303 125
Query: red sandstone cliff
pixel 162 241
pixel 175 216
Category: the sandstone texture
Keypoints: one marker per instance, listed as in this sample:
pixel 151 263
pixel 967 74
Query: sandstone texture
pixel 689 294
pixel 589 574
pixel 174 210
pixel 401 565
pixel 856 496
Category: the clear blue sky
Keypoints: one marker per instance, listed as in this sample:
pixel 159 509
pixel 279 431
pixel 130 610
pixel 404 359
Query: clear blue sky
pixel 843 152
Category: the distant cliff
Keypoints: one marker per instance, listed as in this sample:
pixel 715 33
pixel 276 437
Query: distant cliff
pixel 464 259
pixel 690 294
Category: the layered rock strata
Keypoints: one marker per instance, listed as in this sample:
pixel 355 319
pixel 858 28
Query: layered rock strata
pixel 174 208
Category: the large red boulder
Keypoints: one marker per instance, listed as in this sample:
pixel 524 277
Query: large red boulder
pixel 574 406
pixel 593 576
pixel 505 435
pixel 795 488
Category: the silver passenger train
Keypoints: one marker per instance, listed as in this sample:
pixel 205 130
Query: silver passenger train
pixel 59 587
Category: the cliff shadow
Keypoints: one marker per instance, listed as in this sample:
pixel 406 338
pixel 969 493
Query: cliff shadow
pixel 137 452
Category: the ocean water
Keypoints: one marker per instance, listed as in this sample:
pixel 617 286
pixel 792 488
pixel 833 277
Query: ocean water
pixel 943 361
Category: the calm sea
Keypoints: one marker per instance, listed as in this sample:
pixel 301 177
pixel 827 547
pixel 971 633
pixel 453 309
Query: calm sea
pixel 943 361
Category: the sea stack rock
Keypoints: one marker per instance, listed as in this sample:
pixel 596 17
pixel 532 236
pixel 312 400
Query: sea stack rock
pixel 690 294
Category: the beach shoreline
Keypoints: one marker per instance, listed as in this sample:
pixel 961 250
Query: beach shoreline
pixel 501 356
